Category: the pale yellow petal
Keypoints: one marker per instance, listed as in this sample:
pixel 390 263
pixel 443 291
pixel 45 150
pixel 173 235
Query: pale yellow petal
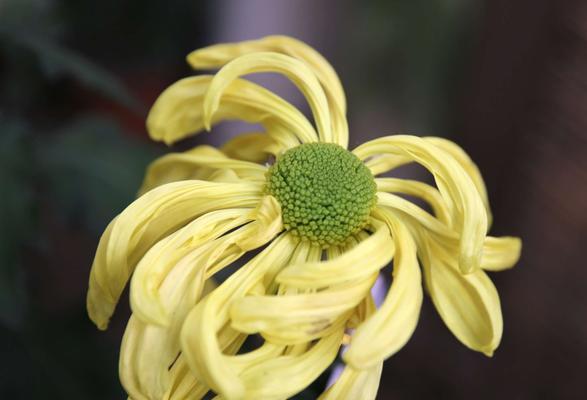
pixel 468 165
pixel 217 55
pixel 358 263
pixel 198 163
pixel 178 112
pixel 220 54
pixel 284 376
pixel 166 255
pixel 455 185
pixel 199 338
pixel 268 223
pixel 468 304
pixel 501 253
pixel 426 192
pixel 300 317
pixel 254 147
pixel 297 71
pixel 390 327
pixel 357 383
pixel 183 384
pixel 152 216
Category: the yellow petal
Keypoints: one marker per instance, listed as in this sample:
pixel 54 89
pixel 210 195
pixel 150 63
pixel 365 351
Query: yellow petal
pixel 499 253
pixel 297 71
pixel 468 165
pixel 284 376
pixel 268 224
pixel 455 185
pixel 183 385
pixel 198 163
pixel 167 254
pixel 371 254
pixel 356 383
pixel 178 112
pixel 299 317
pixel 220 54
pixel 390 327
pixel 150 217
pixel 200 343
pixel 468 304
pixel 254 147
pixel 418 189
pixel 217 55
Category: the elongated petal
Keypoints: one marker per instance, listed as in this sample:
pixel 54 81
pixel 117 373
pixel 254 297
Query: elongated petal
pixel 355 383
pixel 418 189
pixel 220 54
pixel 499 253
pixel 254 147
pixel 468 165
pixel 284 376
pixel 390 327
pixel 297 71
pixel 199 334
pixel 310 314
pixel 455 185
pixel 183 385
pixel 198 163
pixel 167 254
pixel 268 223
pixel 468 304
pixel 145 221
pixel 372 253
pixel 217 55
pixel 178 112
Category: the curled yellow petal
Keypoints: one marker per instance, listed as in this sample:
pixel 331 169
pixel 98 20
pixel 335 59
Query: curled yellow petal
pixel 218 55
pixel 370 254
pixel 357 383
pixel 254 147
pixel 389 328
pixel 199 340
pixel 284 376
pixel 501 253
pixel 311 315
pixel 268 223
pixel 154 268
pixel 198 163
pixel 295 70
pixel 455 185
pixel 468 165
pixel 178 112
pixel 183 385
pixel 418 189
pixel 150 217
pixel 468 304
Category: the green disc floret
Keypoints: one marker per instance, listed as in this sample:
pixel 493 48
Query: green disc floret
pixel 326 193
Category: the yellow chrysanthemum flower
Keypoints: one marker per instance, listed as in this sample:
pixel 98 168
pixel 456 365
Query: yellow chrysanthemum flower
pixel 325 225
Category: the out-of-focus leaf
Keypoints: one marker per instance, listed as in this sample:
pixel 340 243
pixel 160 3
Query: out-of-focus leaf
pixel 92 170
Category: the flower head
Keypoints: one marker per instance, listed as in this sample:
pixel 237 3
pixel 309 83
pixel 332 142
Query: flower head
pixel 324 222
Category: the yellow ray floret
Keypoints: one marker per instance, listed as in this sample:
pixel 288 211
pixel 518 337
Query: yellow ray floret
pixel 281 234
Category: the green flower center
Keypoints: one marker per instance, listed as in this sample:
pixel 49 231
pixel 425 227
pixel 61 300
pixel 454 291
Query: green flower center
pixel 326 193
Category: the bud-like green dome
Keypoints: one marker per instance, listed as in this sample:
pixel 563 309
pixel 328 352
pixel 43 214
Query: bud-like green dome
pixel 326 193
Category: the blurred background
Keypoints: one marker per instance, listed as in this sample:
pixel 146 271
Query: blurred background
pixel 506 80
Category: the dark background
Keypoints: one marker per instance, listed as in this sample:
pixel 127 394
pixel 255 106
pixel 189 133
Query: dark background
pixel 505 79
